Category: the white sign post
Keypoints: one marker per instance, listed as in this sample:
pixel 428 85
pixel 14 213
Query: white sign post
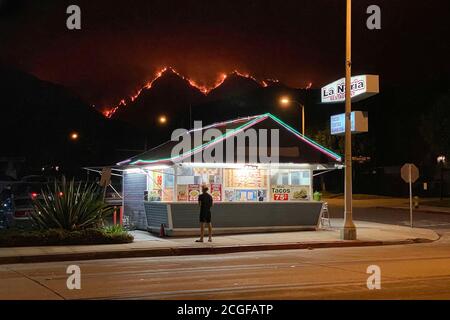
pixel 410 174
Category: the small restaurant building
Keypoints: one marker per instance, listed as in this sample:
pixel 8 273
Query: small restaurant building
pixel 251 192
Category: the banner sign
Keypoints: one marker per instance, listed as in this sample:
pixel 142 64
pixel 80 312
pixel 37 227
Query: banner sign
pixel 359 123
pixel 182 192
pixel 216 191
pixel 362 87
pixel 193 192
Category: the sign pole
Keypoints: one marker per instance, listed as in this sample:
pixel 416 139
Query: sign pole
pixel 410 173
pixel 410 198
pixel 349 230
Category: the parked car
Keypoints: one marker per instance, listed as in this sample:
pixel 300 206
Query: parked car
pixel 23 206
pixel 16 203
pixel 5 199
pixel 6 207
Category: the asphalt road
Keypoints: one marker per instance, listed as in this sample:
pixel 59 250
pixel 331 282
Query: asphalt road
pixel 435 221
pixel 419 271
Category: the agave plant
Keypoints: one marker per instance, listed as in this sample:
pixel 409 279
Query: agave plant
pixel 70 206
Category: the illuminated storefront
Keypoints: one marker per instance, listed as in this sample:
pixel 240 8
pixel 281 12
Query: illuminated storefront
pixel 163 189
pixel 248 183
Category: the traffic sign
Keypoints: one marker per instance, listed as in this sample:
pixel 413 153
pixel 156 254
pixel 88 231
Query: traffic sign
pixel 105 178
pixel 410 173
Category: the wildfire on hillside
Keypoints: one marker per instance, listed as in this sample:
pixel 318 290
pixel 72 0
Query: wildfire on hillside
pixel 108 112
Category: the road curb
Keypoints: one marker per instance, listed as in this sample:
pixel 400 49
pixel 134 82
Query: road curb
pixel 182 251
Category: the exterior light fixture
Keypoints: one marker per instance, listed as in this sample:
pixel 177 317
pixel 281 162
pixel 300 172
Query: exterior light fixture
pixel 162 119
pixel 441 159
pixel 74 136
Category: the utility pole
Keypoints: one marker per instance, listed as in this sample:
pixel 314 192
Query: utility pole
pixel 303 118
pixel 190 116
pixel 349 229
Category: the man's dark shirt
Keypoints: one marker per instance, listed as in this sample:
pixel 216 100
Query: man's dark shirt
pixel 206 202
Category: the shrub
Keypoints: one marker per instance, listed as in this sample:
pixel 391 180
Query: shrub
pixel 20 238
pixel 114 229
pixel 70 206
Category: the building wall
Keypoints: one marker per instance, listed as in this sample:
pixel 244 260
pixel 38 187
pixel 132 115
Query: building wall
pixel 157 214
pixel 134 186
pixel 259 214
pixel 182 219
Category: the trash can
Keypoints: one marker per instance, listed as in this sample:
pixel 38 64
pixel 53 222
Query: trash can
pixel 317 196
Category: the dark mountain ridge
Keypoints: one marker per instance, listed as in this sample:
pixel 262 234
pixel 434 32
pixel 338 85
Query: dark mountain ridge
pixel 38 117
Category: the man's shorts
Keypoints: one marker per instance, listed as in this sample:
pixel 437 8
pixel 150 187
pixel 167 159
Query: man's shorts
pixel 205 216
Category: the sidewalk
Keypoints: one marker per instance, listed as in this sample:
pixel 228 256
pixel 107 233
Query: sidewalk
pixel 391 203
pixel 146 245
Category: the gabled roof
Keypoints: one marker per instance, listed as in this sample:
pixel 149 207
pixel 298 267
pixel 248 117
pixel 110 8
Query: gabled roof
pixel 308 151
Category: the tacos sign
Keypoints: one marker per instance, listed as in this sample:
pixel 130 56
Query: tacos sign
pixel 290 193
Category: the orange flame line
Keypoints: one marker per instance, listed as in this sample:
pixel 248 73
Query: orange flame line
pixel 110 111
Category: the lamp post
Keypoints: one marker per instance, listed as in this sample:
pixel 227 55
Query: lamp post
pixel 287 101
pixel 441 161
pixel 349 229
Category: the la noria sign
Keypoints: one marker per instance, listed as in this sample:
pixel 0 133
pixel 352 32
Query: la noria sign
pixel 362 87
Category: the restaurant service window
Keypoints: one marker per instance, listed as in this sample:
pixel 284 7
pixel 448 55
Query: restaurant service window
pixel 245 184
pixel 290 185
pixel 191 180
pixel 160 185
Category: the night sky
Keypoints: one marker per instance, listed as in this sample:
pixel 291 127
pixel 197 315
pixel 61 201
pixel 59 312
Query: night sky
pixel 123 43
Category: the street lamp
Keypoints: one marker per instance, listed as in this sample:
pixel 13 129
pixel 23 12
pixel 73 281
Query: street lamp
pixel 286 101
pixel 74 136
pixel 162 119
pixel 441 161
pixel 349 229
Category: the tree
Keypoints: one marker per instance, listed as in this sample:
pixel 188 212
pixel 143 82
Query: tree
pixel 435 126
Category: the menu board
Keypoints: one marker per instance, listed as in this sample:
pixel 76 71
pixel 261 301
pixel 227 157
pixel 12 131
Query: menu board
pixel 246 195
pixel 193 192
pixel 290 193
pixel 245 178
pixel 216 191
pixel 167 194
pixel 182 193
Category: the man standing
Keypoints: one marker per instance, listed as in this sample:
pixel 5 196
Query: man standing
pixel 205 202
